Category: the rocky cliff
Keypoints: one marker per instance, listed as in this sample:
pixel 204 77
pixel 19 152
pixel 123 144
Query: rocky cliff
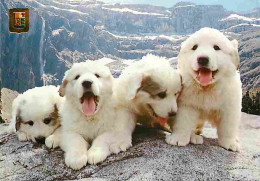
pixel 7 97
pixel 150 158
pixel 64 32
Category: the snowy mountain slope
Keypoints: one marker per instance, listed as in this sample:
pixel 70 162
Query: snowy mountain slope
pixel 65 32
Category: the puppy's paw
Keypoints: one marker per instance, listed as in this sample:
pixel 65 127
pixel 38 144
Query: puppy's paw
pixel 196 139
pixel 178 139
pixel 76 160
pixel 229 144
pixel 97 155
pixel 51 142
pixel 120 146
pixel 22 137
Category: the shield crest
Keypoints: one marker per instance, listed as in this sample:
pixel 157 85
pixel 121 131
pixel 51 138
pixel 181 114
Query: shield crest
pixel 19 20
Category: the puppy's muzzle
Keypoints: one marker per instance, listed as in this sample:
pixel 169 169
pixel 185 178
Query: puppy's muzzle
pixel 203 61
pixel 87 84
pixel 171 114
pixel 40 140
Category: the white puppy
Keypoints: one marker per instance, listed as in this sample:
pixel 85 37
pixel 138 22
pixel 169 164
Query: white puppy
pixel 149 89
pixel 208 63
pixel 35 115
pixel 89 114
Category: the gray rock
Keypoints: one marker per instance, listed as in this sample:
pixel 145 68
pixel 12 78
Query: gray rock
pixel 150 158
pixel 6 99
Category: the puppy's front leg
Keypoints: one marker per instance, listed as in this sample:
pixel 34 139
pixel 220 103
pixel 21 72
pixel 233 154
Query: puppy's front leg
pixel 99 149
pixel 106 144
pixel 75 148
pixel 119 139
pixel 53 141
pixel 228 128
pixel 184 125
pixel 22 136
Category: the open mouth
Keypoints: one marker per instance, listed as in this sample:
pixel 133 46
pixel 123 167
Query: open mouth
pixel 161 121
pixel 89 103
pixel 151 109
pixel 205 75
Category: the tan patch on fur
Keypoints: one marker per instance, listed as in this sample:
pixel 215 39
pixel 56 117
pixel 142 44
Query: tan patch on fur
pixel 212 116
pixel 55 117
pixel 199 128
pixel 18 122
pixel 150 86
pixel 179 93
pixel 62 87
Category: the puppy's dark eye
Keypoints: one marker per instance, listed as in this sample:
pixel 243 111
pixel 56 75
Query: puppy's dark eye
pixel 161 95
pixel 76 77
pixel 47 120
pixel 216 47
pixel 194 47
pixel 30 123
pixel 97 75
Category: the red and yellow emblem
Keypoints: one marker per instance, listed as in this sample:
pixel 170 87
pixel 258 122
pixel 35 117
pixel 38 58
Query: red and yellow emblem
pixel 19 20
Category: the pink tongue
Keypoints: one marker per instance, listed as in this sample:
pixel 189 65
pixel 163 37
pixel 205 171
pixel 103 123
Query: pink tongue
pixel 89 106
pixel 204 77
pixel 161 120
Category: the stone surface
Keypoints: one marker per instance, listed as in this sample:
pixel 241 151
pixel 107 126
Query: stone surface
pixel 150 158
pixel 7 97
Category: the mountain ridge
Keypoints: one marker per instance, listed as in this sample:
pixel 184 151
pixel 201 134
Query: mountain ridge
pixel 62 33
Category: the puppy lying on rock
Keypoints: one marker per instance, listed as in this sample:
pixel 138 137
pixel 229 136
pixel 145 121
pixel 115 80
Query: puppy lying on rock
pixel 35 115
pixel 90 115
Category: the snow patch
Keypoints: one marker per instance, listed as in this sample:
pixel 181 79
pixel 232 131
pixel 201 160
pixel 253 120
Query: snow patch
pixel 61 9
pixel 56 32
pixel 49 79
pixel 127 10
pixel 105 60
pixel 244 24
pixel 71 34
pixel 128 62
pixel 238 17
pixel 184 6
pixel 69 10
pixel 172 38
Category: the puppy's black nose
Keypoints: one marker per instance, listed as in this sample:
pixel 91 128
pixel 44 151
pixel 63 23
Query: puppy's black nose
pixel 171 114
pixel 203 61
pixel 40 139
pixel 87 84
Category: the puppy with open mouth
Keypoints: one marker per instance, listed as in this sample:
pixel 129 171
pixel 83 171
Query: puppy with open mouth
pixel 208 63
pixel 89 113
pixel 149 88
pixel 35 116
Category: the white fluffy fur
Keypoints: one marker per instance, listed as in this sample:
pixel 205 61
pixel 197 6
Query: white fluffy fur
pixel 220 102
pixel 35 105
pixel 109 129
pixel 129 93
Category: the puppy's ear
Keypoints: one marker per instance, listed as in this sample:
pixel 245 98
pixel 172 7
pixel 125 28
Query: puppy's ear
pixel 63 87
pixel 133 84
pixel 235 54
pixel 55 115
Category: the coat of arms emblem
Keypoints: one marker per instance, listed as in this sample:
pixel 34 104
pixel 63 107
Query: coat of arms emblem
pixel 18 20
